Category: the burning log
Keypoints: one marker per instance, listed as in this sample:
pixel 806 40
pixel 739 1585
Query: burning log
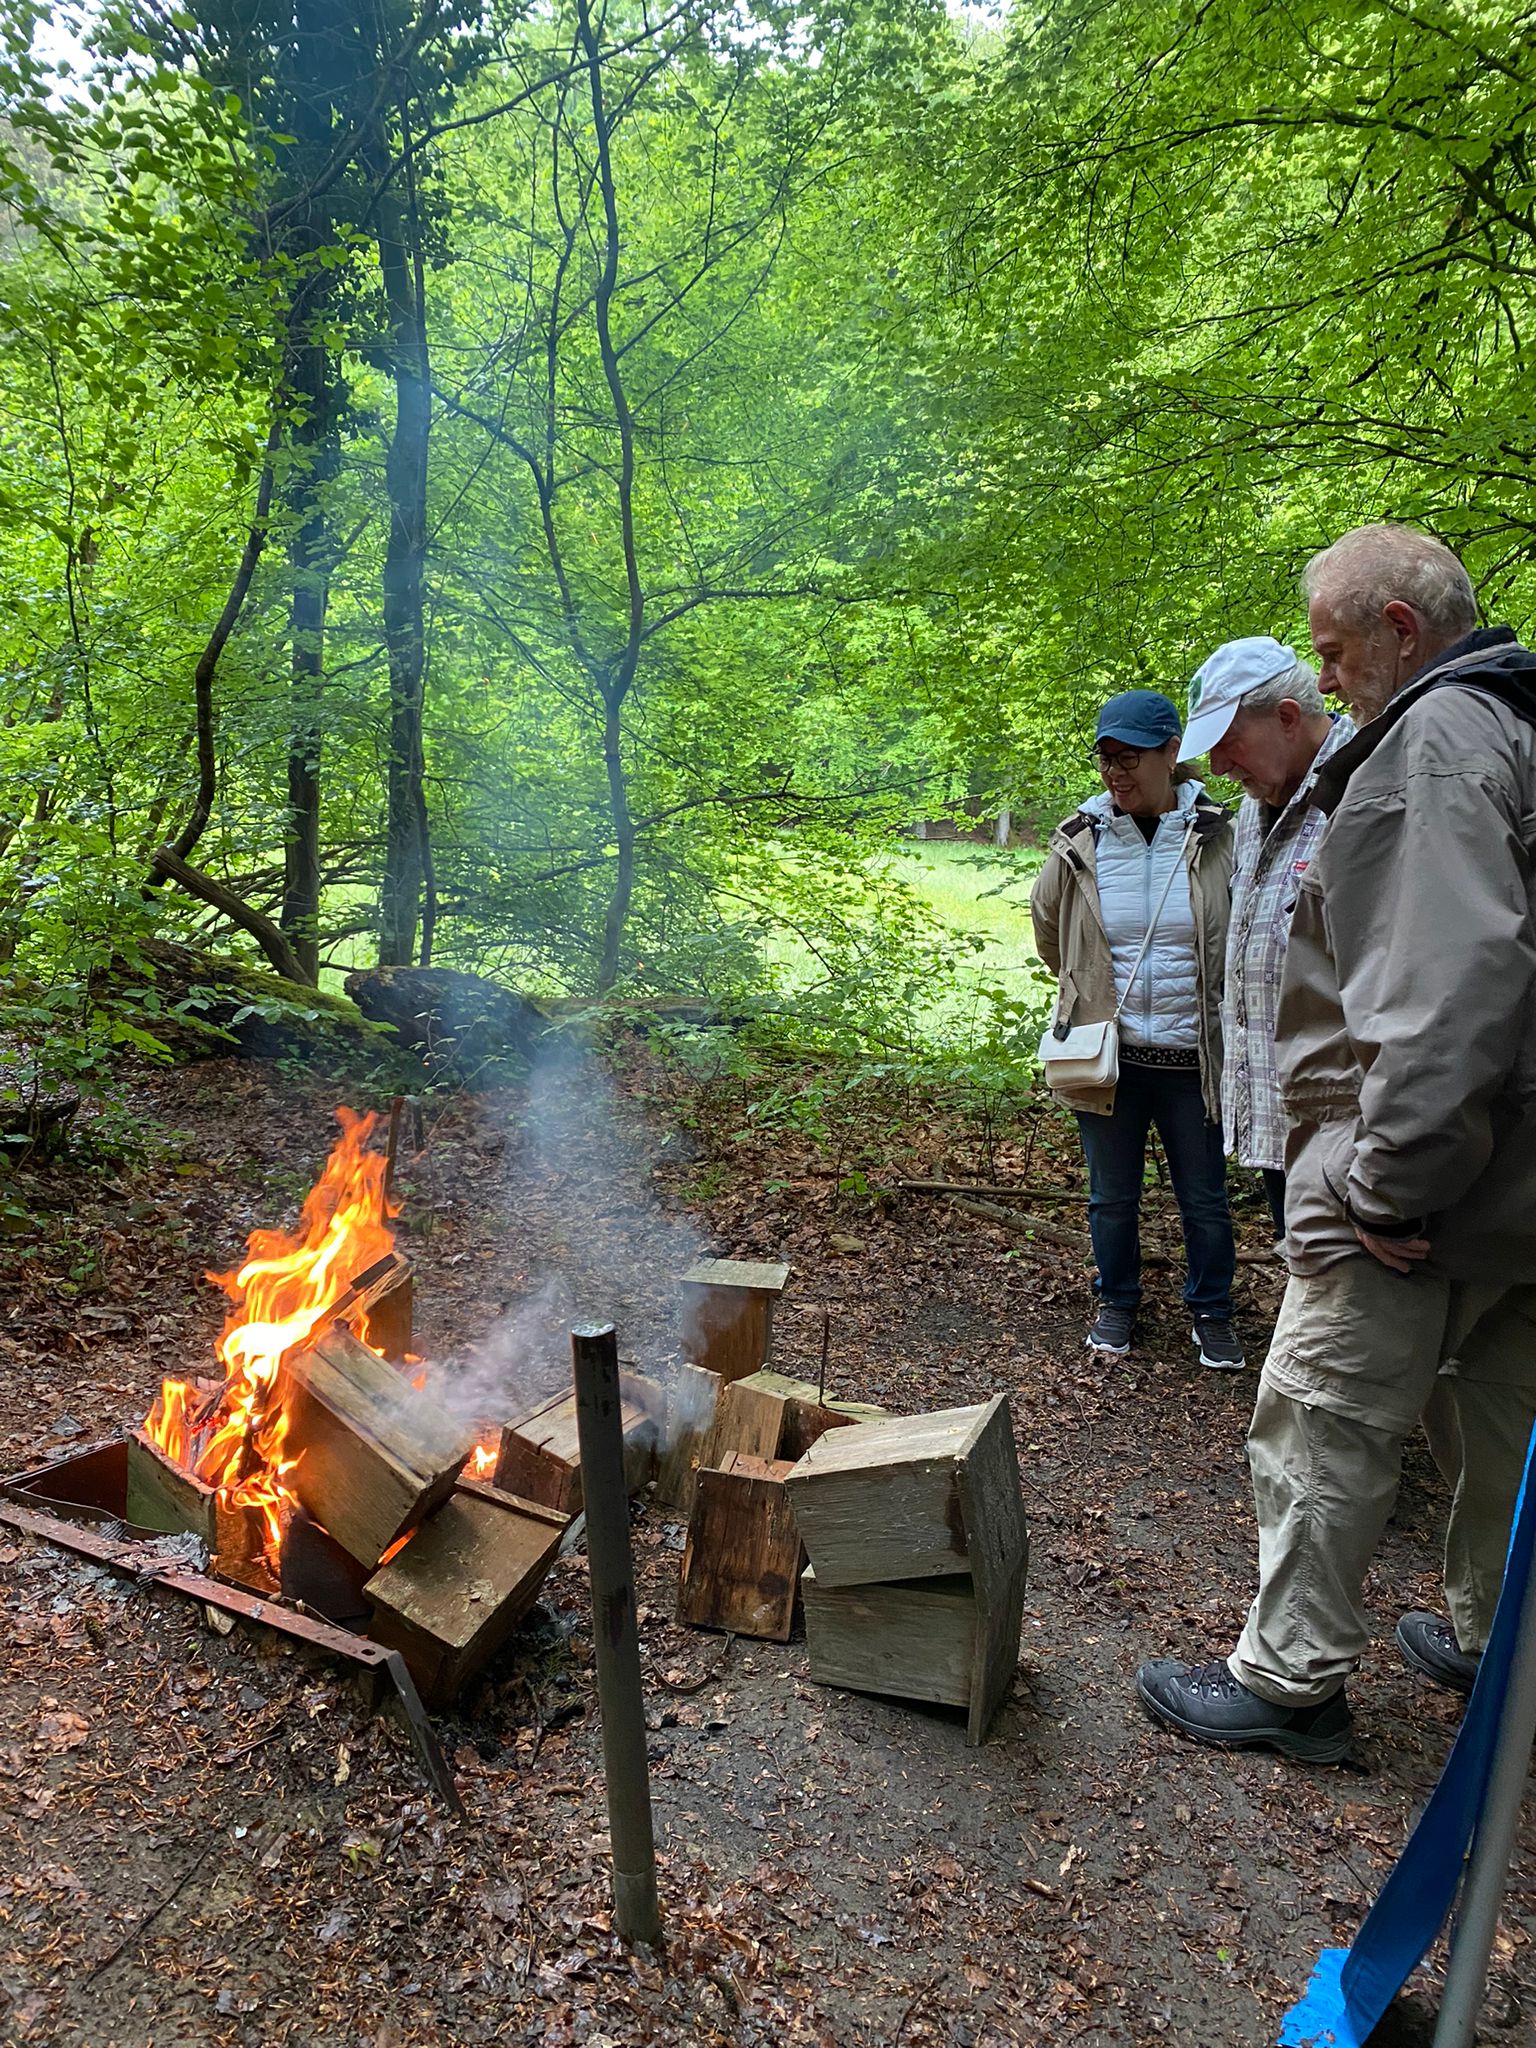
pixel 540 1457
pixel 742 1560
pixel 375 1455
pixel 454 1592
pixel 729 1304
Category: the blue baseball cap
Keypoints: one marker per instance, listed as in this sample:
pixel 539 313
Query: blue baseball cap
pixel 1139 718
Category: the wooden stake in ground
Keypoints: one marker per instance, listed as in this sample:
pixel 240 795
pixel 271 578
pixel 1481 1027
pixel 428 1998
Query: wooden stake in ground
pixel 615 1632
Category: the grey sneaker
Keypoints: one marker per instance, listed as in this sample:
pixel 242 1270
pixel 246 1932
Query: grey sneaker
pixel 1111 1330
pixel 1428 1644
pixel 1206 1703
pixel 1218 1344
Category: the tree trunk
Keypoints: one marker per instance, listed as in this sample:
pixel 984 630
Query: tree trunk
pixel 400 267
pixel 624 838
pixel 308 557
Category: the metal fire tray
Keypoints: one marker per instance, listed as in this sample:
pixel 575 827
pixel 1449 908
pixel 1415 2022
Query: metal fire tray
pixel 78 1503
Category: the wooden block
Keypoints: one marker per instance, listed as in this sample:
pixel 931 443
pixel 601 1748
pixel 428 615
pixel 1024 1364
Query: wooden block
pixel 913 1638
pixel 728 1306
pixel 540 1456
pixel 164 1496
pixel 997 1535
pixel 807 1421
pixel 692 1397
pixel 375 1455
pixel 450 1597
pixel 750 1415
pixel 741 1562
pixel 885 1502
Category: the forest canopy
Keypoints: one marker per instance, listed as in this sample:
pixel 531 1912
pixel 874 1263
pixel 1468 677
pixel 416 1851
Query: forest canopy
pixel 559 490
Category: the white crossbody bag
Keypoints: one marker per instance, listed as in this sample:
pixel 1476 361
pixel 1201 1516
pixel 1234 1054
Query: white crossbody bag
pixel 1084 1059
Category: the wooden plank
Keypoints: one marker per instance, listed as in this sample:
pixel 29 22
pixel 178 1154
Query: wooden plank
pixel 457 1589
pixel 728 1309
pixel 692 1397
pixel 997 1538
pixel 882 1502
pixel 741 1562
pixel 375 1455
pixel 388 1317
pixel 914 1639
pixel 540 1455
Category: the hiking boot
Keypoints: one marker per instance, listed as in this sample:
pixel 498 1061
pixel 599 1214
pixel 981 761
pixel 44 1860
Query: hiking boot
pixel 1429 1645
pixel 1218 1343
pixel 1111 1330
pixel 1206 1703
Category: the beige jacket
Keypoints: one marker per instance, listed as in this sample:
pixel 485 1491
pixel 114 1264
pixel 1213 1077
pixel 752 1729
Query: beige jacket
pixel 1407 1018
pixel 1071 940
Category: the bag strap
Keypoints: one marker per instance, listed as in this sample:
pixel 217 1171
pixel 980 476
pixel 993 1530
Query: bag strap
pixel 1146 937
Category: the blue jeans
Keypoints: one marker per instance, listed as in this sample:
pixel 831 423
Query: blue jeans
pixel 1116 1150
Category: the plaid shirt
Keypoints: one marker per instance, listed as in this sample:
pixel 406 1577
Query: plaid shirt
pixel 1266 872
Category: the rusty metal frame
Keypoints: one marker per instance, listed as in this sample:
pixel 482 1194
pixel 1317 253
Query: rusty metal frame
pixel 135 1560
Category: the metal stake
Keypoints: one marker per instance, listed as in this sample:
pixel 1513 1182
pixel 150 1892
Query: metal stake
pixel 1482 1889
pixel 615 1635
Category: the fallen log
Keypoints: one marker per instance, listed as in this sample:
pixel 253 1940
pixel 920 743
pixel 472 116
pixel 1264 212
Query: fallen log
pixel 375 1455
pixel 1076 1240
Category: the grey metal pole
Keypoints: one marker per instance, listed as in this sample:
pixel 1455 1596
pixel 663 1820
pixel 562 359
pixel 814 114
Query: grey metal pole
pixel 1482 1889
pixel 615 1633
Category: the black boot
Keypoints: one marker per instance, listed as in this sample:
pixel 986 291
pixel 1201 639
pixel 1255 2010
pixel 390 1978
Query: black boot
pixel 1429 1645
pixel 1206 1703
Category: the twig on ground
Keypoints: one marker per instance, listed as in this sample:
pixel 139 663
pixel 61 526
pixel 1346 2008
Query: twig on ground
pixel 143 1925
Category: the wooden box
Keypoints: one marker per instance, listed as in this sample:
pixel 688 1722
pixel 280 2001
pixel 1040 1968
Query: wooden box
pixel 913 1638
pixel 728 1307
pixel 166 1497
pixel 742 1559
pixel 375 1456
pixel 540 1456
pixel 452 1595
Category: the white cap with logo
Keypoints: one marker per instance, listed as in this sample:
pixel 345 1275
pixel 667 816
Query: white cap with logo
pixel 1221 683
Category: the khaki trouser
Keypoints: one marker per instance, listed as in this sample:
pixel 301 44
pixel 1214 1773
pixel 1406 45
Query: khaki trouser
pixel 1358 1355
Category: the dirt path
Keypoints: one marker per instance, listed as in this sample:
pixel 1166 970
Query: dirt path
pixel 204 1841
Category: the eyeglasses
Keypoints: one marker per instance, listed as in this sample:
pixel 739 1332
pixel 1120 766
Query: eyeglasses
pixel 1127 760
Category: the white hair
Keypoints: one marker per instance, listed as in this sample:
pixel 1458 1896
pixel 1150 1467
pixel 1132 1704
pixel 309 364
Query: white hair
pixel 1298 684
pixel 1374 566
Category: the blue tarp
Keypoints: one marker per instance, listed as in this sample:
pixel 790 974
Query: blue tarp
pixel 1351 1988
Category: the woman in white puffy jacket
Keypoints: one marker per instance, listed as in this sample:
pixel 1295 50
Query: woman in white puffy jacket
pixel 1149 853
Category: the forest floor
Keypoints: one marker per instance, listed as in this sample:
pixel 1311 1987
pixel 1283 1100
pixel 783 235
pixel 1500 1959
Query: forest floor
pixel 207 1840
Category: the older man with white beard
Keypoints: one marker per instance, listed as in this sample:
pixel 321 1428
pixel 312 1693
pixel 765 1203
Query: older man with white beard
pixel 1407 1031
pixel 1259 714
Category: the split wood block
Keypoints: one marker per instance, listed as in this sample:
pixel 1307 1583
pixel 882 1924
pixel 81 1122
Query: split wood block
pixel 914 1497
pixel 167 1497
pixel 728 1307
pixel 375 1455
pixel 741 1563
pixel 454 1592
pixel 540 1456
pixel 807 1422
pixel 692 1397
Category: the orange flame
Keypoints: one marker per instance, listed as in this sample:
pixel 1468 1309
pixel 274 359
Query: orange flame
pixel 483 1458
pixel 281 1292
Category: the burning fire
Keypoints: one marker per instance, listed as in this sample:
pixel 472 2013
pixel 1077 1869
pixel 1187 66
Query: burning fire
pixel 233 1439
